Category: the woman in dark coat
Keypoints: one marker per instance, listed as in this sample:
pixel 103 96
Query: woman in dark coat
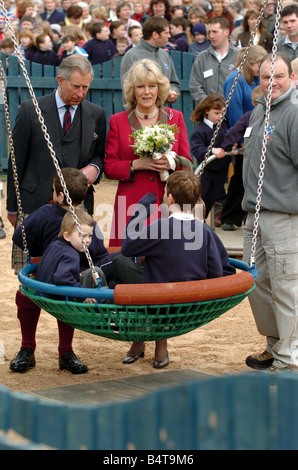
pixel 263 37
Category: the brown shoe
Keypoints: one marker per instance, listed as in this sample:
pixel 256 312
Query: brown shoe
pixel 259 361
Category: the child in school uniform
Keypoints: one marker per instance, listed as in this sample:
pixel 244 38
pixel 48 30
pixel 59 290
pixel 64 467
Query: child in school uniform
pixel 206 115
pixel 42 227
pixel 60 263
pixel 233 139
pixel 44 53
pixel 100 48
pixel 177 248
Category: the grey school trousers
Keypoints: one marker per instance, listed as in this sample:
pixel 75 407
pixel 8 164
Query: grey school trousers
pixel 274 301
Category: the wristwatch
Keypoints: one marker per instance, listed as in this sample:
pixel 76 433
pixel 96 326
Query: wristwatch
pixel 131 168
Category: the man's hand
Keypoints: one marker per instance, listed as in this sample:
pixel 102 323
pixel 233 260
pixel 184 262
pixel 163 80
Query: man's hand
pixel 172 96
pixel 90 171
pixel 12 219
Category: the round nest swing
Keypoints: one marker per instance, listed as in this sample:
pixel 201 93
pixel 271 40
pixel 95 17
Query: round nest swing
pixel 144 312
pixel 141 312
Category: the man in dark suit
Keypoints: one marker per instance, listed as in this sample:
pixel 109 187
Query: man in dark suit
pixel 77 131
pixel 52 14
pixel 82 146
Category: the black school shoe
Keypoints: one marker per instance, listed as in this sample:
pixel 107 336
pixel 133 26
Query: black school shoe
pixel 69 361
pixel 23 361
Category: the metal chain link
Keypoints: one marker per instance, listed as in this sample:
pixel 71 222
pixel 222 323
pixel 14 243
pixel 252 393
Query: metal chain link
pixel 13 161
pixel 264 145
pixel 201 168
pixel 49 145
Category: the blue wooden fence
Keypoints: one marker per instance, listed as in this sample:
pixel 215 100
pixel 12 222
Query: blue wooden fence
pixel 255 411
pixel 105 90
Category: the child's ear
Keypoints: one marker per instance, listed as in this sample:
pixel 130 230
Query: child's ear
pixel 66 236
pixel 60 198
pixel 171 199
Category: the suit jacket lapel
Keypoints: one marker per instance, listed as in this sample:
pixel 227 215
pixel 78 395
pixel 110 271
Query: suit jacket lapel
pixel 88 129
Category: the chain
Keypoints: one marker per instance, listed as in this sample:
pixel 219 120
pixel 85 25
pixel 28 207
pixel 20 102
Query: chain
pixel 201 169
pixel 264 146
pixel 13 161
pixel 49 145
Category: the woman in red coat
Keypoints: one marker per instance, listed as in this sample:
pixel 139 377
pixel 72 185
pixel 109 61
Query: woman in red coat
pixel 145 89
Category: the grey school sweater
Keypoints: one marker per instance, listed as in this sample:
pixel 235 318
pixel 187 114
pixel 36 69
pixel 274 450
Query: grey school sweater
pixel 280 183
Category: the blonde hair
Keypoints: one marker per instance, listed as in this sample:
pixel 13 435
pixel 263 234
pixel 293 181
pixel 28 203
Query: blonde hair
pixel 255 55
pixel 68 224
pixel 256 93
pixel 144 71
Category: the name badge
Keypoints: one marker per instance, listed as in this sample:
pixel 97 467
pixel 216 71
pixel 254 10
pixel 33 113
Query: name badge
pixel 247 132
pixel 208 73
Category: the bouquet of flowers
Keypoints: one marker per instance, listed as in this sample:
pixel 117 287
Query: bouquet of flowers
pixel 155 141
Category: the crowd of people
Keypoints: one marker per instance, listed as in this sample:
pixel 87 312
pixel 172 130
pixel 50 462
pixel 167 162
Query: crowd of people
pixel 49 30
pixel 77 36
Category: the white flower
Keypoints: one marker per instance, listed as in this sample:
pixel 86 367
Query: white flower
pixel 158 138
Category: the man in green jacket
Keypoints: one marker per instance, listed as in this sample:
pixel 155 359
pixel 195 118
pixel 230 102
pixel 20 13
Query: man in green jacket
pixel 274 301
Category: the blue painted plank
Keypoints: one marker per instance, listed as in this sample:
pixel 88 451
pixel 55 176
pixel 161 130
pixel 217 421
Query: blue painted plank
pixel 23 409
pixel 142 423
pixel 81 427
pixel 50 424
pixel 285 390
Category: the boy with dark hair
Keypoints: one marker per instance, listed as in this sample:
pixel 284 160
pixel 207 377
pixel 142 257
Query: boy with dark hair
pixel 70 47
pixel 177 248
pixel 178 28
pixel 100 48
pixel 42 227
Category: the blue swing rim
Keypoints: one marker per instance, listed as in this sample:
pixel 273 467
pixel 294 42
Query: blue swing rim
pixel 98 292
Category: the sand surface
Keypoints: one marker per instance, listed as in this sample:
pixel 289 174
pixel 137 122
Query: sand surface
pixel 217 348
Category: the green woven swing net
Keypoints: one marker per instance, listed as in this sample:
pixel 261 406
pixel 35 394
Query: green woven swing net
pixel 130 322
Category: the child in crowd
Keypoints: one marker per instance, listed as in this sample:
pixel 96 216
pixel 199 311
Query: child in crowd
pixel 179 37
pixel 69 48
pixel 27 44
pixel 122 44
pixel 233 139
pixel 207 115
pixel 27 22
pixel 177 248
pixel 56 32
pixel 135 33
pixel 7 46
pixel 117 30
pixel 201 43
pixel 100 48
pixel 44 51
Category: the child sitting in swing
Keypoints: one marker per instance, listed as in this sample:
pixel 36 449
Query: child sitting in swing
pixel 60 264
pixel 177 248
